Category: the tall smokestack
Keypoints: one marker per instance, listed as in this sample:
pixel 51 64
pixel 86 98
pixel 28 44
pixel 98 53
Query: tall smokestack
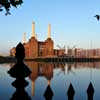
pixel 24 38
pixel 33 29
pixel 49 31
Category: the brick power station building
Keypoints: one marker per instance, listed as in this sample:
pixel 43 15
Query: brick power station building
pixel 35 48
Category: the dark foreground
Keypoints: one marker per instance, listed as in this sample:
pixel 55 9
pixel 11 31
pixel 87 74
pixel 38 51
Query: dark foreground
pixel 55 77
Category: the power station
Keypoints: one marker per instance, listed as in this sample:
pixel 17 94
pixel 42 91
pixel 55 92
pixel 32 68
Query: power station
pixel 35 48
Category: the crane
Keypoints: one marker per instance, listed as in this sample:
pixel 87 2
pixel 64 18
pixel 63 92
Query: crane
pixel 70 50
pixel 61 47
pixel 24 38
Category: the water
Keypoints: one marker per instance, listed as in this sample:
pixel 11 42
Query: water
pixel 58 76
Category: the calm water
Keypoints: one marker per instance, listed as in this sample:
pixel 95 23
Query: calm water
pixel 59 76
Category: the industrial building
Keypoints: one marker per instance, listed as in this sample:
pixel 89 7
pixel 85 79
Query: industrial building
pixel 35 48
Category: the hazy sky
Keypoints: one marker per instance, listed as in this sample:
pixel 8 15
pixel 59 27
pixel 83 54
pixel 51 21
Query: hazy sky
pixel 72 22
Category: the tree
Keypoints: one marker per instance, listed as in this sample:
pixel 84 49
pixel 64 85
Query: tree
pixel 7 4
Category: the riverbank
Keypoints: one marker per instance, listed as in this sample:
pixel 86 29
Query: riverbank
pixel 64 59
pixel 50 59
pixel 7 59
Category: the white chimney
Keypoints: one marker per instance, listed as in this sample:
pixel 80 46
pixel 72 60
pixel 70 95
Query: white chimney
pixel 49 31
pixel 24 38
pixel 33 29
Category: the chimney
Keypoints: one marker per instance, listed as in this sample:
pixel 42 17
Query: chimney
pixel 24 38
pixel 49 31
pixel 33 29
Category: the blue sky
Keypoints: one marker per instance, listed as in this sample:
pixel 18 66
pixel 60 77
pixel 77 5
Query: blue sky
pixel 72 22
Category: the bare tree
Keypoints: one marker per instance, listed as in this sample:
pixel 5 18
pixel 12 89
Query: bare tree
pixel 7 4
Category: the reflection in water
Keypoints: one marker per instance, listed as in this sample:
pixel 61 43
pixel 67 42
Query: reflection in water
pixel 20 93
pixel 20 71
pixel 47 70
pixel 40 69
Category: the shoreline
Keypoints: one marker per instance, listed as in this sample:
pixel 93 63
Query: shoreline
pixel 62 59
pixel 10 59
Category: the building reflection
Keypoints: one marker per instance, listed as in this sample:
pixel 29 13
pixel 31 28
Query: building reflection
pixel 20 92
pixel 87 65
pixel 42 69
pixel 46 70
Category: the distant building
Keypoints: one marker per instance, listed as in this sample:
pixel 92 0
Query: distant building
pixel 79 52
pixel 35 48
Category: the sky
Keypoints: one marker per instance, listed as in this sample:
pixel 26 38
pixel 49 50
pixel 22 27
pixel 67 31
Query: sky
pixel 72 23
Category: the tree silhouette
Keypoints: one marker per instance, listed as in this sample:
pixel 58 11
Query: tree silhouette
pixel 7 4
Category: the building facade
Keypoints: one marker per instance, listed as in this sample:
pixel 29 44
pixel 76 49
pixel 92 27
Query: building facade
pixel 35 48
pixel 85 53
